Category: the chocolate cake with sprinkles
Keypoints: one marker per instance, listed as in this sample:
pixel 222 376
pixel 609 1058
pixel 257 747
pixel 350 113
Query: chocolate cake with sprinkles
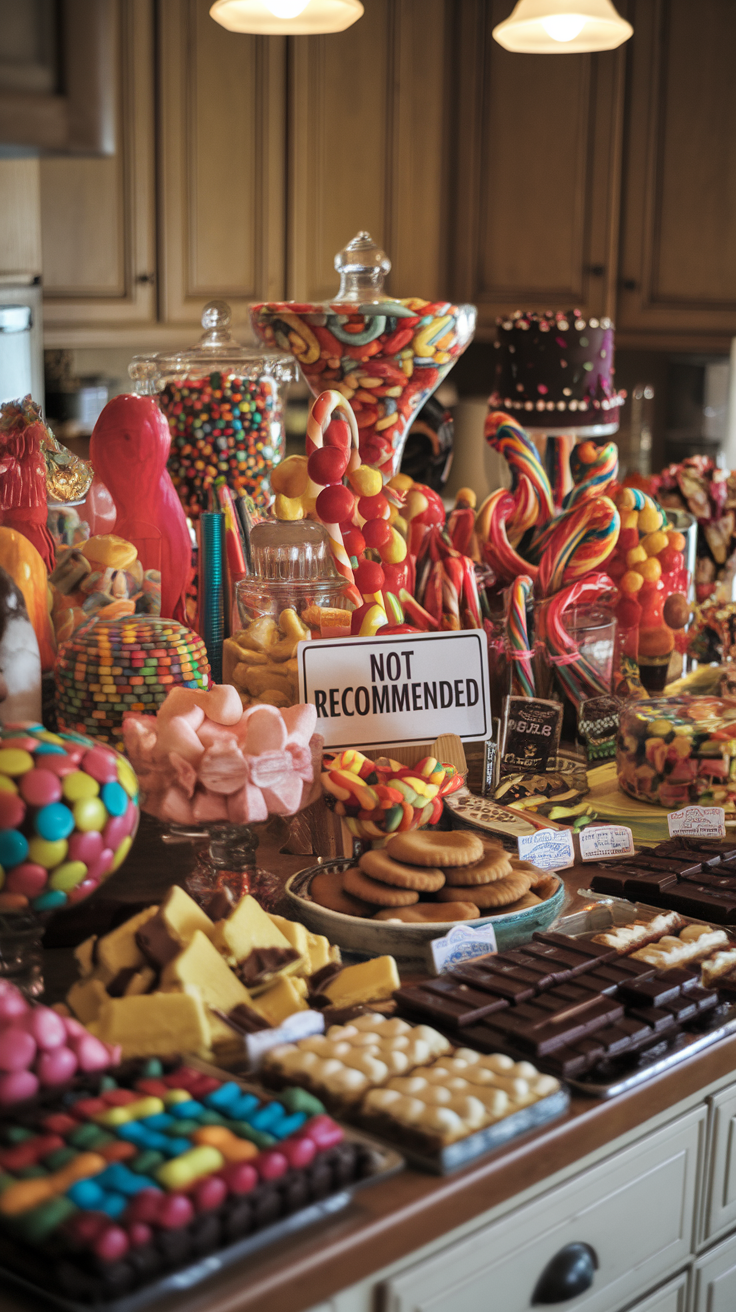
pixel 554 371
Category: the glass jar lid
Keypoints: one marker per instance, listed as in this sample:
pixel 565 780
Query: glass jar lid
pixel 217 350
pixel 291 551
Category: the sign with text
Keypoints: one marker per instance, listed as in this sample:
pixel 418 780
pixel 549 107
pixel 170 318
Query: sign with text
pixel 530 734
pixel 402 689
pixel 550 849
pixel 697 822
pixel 600 841
pixel 463 943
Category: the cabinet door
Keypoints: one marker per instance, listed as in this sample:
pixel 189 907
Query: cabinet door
pixel 678 266
pixel 672 1297
pixel 97 215
pixel 720 1198
pixel 367 124
pixel 636 1210
pixel 715 1279
pixel 221 163
pixel 535 196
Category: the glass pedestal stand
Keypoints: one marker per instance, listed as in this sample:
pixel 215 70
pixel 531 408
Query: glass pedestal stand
pixel 226 861
pixel 21 956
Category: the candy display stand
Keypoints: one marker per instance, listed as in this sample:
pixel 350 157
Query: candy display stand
pixel 385 355
pixel 224 403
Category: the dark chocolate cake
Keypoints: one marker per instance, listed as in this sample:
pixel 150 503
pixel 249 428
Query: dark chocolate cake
pixel 555 371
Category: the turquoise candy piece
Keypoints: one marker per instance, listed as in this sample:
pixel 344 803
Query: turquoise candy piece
pixel 289 1125
pixel 54 821
pixel 153 1069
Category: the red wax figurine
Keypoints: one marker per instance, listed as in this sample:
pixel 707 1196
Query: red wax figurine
pixel 129 449
pixel 23 476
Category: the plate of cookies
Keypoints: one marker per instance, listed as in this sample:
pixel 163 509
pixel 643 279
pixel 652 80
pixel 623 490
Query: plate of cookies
pixel 395 899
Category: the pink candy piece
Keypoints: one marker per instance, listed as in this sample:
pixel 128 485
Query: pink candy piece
pixel 300 721
pixel 209 1193
pixel 17 1049
pixel 16 1087
pixel 85 847
pixel 175 808
pixel 265 731
pixel 56 1067
pixel 12 1003
pixel 223 768
pixel 12 810
pixel 73 1027
pixel 240 1178
pixel 28 879
pixel 99 868
pixel 299 1151
pixel 101 765
pixel 175 1210
pixel 186 778
pixel 90 1052
pixel 45 1027
pixel 40 787
pixel 271 1164
pixel 131 817
pixel 247 807
pixel 82 890
pixel 208 806
pixel 210 733
pixel 181 702
pixel 284 796
pixel 222 703
pixel 59 765
pixel 111 1244
pixel 323 1131
pixel 83 1228
pixel 139 1234
pixel 111 836
pixel 139 736
pixel 177 735
pixel 144 1207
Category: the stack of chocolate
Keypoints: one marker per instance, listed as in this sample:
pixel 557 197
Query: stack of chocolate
pixel 573 1005
pixel 694 876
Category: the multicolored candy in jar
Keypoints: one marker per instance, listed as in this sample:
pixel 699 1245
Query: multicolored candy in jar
pixel 672 751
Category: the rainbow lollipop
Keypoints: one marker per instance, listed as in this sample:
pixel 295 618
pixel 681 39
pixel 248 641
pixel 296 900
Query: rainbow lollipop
pixel 593 469
pixel 505 435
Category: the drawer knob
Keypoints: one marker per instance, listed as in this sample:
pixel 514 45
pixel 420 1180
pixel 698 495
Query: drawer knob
pixel 569 1273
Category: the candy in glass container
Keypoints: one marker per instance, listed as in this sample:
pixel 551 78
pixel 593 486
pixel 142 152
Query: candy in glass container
pixel 68 816
pixel 672 751
pixel 224 404
pixel 385 355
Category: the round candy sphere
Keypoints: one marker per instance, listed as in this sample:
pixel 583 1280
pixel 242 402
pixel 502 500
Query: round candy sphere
pixel 68 814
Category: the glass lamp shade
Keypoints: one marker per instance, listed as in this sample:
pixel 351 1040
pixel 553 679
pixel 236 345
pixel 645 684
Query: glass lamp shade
pixel 559 27
pixel 286 17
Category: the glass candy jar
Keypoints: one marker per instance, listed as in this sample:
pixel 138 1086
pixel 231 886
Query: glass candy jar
pixel 225 406
pixel 294 594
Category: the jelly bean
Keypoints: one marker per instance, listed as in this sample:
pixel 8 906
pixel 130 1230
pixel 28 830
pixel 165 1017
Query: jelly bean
pixel 46 1027
pixel 300 1100
pixel 323 1131
pixel 160 1121
pixel 176 1210
pixel 122 1180
pixel 87 1194
pixel 298 1152
pixel 13 848
pixel 59 1123
pixel 146 1163
pixel 240 1178
pixel 78 786
pixel 232 1147
pixel 268 1116
pixel 111 1244
pixel 101 764
pixel 84 1227
pixel 88 814
pixel 186 1110
pixel 139 1234
pixel 56 1160
pixel 132 1111
pixel 17 1048
pixel 55 1067
pixel 37 1224
pixel 145 1207
pixel 289 1125
pixel 187 1167
pixel 54 822
pixel 209 1193
pixel 117 1151
pixel 271 1164
pixel 239 1107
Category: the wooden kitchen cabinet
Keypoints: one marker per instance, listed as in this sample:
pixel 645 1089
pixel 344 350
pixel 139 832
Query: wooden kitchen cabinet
pixel 368 147
pixel 535 188
pixel 678 256
pixel 98 215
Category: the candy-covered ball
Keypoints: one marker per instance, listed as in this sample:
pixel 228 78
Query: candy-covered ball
pixel 68 814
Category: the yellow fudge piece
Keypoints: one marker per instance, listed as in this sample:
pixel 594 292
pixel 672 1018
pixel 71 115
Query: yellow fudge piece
pixel 283 999
pixel 84 955
pixel 369 981
pixel 321 952
pixel 86 997
pixel 297 935
pixel 200 967
pixel 142 982
pixel 182 917
pixel 118 950
pixel 156 1025
pixel 315 948
pixel 246 928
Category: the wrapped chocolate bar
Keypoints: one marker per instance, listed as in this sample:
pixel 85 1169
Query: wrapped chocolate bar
pixel 675 750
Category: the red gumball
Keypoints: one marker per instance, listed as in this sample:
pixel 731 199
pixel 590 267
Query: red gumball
pixel 335 504
pixel 337 434
pixel 376 507
pixel 377 532
pixel 670 559
pixel 327 465
pixel 628 538
pixel 369 577
pixel 388 629
pixel 353 539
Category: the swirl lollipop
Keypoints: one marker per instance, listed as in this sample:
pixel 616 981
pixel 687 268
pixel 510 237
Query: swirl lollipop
pixel 593 469
pixel 505 435
pixel 583 539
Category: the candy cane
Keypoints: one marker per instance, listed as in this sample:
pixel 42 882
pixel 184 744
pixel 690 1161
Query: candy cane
pixel 495 512
pixel 583 540
pixel 505 435
pixel 593 469
pixel 522 674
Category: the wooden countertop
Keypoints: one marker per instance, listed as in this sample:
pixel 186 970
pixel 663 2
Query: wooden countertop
pixel 387 1221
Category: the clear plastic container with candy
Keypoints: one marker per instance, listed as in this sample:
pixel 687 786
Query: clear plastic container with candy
pixel 294 594
pixel 672 751
pixel 385 355
pixel 225 406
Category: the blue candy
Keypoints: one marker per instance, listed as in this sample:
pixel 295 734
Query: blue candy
pixel 289 1125
pixel 185 1111
pixel 54 821
pixel 113 1205
pixel 49 749
pixel 115 798
pixel 133 1132
pixel 50 901
pixel 86 1194
pixel 122 1180
pixel 160 1121
pixel 222 1098
pixel 175 1147
pixel 268 1117
pixel 241 1109
pixel 14 849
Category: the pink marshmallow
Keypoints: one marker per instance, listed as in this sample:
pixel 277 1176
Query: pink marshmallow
pixel 222 703
pixel 301 758
pixel 208 806
pixel 177 735
pixel 284 796
pixel 300 721
pixel 186 775
pixel 175 808
pixel 268 767
pixel 210 733
pixel 181 702
pixel 17 1087
pixel 223 768
pixel 74 1028
pixel 266 731
pixel 139 736
pixel 247 807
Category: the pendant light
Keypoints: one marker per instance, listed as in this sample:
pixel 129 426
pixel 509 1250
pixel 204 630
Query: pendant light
pixel 286 17
pixel 562 27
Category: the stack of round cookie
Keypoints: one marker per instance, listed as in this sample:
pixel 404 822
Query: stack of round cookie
pixel 424 876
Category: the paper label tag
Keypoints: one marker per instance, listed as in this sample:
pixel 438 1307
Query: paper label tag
pixel 550 849
pixel 463 943
pixel 697 822
pixel 603 841
pixel 302 1025
pixel 378 691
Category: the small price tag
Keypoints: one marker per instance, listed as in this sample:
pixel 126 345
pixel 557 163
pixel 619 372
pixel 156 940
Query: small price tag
pixel 697 822
pixel 463 943
pixel 598 842
pixel 550 849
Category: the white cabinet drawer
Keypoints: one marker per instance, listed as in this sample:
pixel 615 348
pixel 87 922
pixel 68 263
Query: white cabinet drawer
pixel 672 1297
pixel 636 1211
pixel 715 1279
pixel 720 1209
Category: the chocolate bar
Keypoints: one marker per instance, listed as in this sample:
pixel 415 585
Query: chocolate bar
pixel 448 1001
